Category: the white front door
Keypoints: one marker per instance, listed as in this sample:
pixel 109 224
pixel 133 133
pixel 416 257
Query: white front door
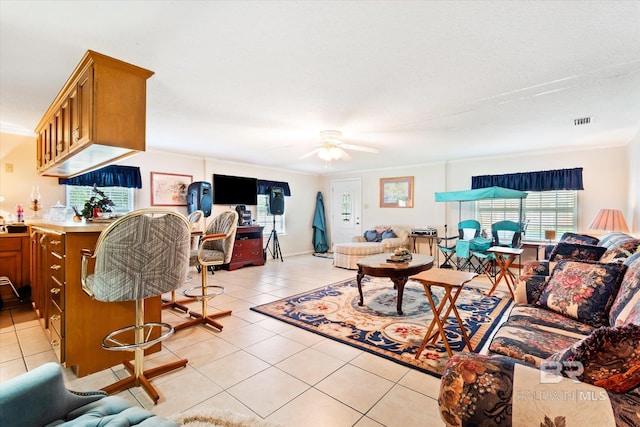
pixel 346 208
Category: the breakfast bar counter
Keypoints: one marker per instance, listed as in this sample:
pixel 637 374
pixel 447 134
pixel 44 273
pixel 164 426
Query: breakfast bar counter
pixel 75 323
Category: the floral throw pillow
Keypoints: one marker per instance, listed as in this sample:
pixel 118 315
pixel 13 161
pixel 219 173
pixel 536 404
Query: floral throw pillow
pixel 625 306
pixel 581 239
pixel 576 251
pixel 583 291
pixel 621 251
pixel 610 358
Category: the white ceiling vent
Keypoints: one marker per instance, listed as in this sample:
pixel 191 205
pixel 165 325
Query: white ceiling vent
pixel 582 121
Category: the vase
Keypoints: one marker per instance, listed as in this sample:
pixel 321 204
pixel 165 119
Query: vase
pixel 97 213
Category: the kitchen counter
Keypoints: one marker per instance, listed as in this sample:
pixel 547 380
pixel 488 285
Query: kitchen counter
pixel 76 323
pixel 68 226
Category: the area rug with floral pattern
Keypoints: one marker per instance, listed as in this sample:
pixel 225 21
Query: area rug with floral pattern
pixel 333 311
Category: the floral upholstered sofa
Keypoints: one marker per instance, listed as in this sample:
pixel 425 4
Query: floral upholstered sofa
pixel 376 240
pixel 568 354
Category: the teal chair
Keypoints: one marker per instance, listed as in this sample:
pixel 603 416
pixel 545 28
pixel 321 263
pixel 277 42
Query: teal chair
pixel 506 233
pixel 467 230
pixel 40 398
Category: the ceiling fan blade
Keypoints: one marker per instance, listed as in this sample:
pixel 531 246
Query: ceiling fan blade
pixel 343 154
pixel 359 148
pixel 311 153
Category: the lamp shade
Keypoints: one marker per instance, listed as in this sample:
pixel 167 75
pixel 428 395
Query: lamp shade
pixel 609 220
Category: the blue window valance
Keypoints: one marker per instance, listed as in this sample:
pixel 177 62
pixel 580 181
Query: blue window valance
pixel 558 179
pixel 108 176
pixel 264 186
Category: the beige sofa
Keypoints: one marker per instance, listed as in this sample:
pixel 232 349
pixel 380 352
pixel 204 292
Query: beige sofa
pixel 346 255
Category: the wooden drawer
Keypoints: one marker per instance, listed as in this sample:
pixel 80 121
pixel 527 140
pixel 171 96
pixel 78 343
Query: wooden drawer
pixel 247 245
pixel 57 293
pixel 57 267
pixel 57 343
pixel 56 244
pixel 246 253
pixel 10 244
pixel 56 321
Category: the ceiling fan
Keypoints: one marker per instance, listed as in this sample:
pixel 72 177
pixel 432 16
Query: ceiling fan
pixel 332 148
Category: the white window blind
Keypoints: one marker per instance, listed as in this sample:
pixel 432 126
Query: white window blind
pixel 121 197
pixel 542 210
pixel 265 219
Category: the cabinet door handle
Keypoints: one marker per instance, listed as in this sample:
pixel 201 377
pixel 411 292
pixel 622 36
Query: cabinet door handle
pixel 56 267
pixel 55 318
pixel 55 291
pixel 55 242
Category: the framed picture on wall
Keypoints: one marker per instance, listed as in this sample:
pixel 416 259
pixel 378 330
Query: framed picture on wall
pixel 169 189
pixel 396 192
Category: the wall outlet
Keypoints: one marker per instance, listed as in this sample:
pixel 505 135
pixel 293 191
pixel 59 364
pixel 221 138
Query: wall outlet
pixel 8 167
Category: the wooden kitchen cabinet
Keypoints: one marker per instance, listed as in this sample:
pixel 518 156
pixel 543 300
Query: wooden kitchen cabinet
pixel 14 263
pixel 98 117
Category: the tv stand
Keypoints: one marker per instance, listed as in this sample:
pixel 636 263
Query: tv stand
pixel 247 249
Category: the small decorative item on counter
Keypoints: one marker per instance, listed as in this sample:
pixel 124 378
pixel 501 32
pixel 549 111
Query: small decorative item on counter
pixel 19 213
pixel 34 205
pixel 77 215
pixel 99 201
pixel 59 212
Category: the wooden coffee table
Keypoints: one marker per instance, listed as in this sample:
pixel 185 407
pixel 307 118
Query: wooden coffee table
pixel 398 272
pixel 452 281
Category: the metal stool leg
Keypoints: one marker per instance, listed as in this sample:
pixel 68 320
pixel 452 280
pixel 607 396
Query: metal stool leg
pixel 4 280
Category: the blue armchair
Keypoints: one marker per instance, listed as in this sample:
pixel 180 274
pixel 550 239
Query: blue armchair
pixel 40 398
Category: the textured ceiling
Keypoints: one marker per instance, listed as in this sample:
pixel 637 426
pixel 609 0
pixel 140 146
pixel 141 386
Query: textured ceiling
pixel 421 81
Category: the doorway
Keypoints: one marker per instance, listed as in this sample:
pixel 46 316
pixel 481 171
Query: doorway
pixel 346 209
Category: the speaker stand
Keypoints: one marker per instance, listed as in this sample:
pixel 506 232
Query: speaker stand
pixel 275 250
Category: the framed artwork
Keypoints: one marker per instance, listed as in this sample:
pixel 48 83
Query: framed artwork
pixel 169 189
pixel 396 192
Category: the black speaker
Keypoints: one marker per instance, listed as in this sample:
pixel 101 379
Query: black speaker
pixel 199 197
pixel 276 201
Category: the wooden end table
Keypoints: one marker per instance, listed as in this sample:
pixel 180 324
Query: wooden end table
pixel 398 272
pixel 504 258
pixel 452 281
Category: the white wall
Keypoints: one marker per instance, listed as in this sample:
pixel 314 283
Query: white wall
pixel 611 178
pixel 605 180
pixel 19 151
pixel 604 176
pixel 633 207
pixel 427 180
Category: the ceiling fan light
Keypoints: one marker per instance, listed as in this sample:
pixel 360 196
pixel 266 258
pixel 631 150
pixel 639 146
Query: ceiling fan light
pixel 329 153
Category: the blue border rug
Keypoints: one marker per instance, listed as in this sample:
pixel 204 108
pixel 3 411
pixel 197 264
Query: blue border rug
pixel 333 312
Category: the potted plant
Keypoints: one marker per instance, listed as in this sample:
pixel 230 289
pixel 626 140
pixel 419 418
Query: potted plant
pixel 99 202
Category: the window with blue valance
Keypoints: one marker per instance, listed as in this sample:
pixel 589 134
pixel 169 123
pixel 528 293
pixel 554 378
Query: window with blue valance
pixel 558 179
pixel 264 186
pixel 108 176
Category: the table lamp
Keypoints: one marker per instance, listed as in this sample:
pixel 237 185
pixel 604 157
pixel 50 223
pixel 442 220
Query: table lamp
pixel 550 235
pixel 609 220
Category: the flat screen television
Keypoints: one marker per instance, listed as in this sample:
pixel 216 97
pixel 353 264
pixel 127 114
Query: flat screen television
pixel 234 190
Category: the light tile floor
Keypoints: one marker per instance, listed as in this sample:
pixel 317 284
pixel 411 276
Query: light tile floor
pixel 256 365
